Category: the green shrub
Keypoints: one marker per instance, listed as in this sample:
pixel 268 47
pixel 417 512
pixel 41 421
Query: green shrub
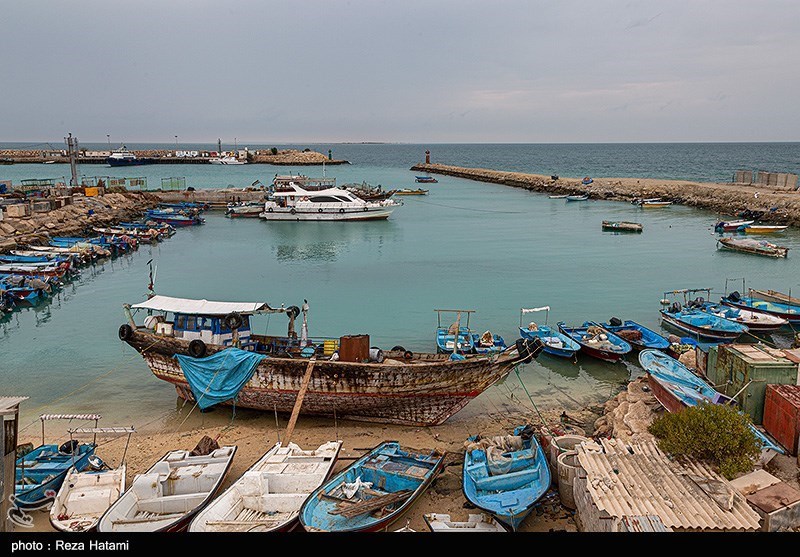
pixel 716 434
pixel 274 150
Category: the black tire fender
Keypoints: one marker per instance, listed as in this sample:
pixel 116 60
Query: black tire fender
pixel 341 210
pixel 292 210
pixel 408 354
pixel 125 332
pixel 292 311
pixel 269 210
pixel 197 348
pixel 398 348
pixel 233 320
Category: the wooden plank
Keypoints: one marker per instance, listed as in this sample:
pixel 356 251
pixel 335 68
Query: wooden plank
pixel 362 507
pixel 299 402
pixel 157 518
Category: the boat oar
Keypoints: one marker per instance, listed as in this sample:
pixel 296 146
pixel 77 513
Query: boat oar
pixel 299 402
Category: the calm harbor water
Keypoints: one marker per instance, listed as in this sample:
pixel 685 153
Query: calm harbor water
pixel 467 245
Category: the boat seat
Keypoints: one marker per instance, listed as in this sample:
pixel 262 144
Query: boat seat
pixel 504 482
pixel 276 502
pixel 171 503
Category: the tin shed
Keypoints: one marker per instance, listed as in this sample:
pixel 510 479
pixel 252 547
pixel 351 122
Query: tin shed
pixel 745 370
pixel 782 415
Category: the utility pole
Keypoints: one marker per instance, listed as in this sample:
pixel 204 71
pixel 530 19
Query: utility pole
pixel 219 147
pixel 72 148
pixel 108 136
pixel 176 143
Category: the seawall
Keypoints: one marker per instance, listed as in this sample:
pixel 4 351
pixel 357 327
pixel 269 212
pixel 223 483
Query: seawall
pixel 724 199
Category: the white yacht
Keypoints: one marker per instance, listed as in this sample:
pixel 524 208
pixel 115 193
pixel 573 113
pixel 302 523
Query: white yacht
pixel 226 159
pixel 294 202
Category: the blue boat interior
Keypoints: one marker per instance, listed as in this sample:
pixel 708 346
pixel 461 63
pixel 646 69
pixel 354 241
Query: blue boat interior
pixel 388 469
pixel 45 467
pixel 649 338
pixel 585 337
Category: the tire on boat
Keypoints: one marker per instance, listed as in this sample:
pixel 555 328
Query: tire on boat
pixel 615 322
pixel 197 348
pixel 398 348
pixel 522 350
pixel 292 211
pixel 125 332
pixel 341 210
pixel 292 312
pixel 408 354
pixel 233 320
pixel 269 210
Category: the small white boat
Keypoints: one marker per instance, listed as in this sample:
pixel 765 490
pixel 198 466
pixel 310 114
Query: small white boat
pixel 559 196
pixel 250 209
pixel 226 160
pixel 84 497
pixel 295 203
pixel 268 496
pixel 475 523
pixel 577 197
pixel 170 493
pixel 654 203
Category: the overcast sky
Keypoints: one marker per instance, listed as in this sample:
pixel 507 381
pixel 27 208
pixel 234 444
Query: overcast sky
pixel 400 70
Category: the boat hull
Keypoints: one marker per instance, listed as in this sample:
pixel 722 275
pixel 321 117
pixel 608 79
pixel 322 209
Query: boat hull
pixel 715 335
pixel 774 296
pixel 135 162
pixel 426 391
pixel 374 214
pixel 793 318
pixel 570 347
pixel 605 355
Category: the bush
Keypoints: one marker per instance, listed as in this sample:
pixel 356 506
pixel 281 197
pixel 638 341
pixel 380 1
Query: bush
pixel 274 150
pixel 716 434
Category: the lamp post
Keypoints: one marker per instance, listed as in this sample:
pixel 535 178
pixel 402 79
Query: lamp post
pixel 108 137
pixel 176 143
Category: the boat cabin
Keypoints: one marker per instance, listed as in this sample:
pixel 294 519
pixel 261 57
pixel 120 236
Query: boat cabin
pixel 294 195
pixel 215 323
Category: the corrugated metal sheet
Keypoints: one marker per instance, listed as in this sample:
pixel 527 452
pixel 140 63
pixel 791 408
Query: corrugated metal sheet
pixel 642 524
pixel 9 402
pixel 782 415
pixel 643 481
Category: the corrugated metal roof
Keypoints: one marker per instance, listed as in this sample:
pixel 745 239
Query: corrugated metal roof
pixel 202 307
pixel 643 524
pixel 9 402
pixel 643 481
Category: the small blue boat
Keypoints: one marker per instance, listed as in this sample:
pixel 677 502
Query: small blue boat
pixel 595 341
pixel 40 473
pixel 701 324
pixel 506 481
pixel 28 259
pixel 487 342
pixel 446 341
pixel 577 197
pixel 555 342
pixel 640 337
pixel 790 312
pixel 676 387
pixel 373 492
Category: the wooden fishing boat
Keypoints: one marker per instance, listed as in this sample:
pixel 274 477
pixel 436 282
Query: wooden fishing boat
pixel 426 179
pixel 676 387
pixel 505 475
pixel 554 342
pixel 577 197
pixel 638 336
pixel 407 191
pixel 763 229
pixel 438 522
pixel 40 473
pixel 33 270
pixel 373 492
pixel 731 225
pixel 597 342
pixel 405 388
pixel 774 296
pixel 701 324
pixel 756 321
pixel 790 312
pixel 86 495
pixel 268 496
pixel 170 493
pixel 622 226
pixel 755 247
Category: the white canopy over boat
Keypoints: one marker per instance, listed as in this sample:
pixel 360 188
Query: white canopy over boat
pixel 204 307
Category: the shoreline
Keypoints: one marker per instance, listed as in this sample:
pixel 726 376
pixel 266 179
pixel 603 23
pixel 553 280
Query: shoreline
pixel 725 199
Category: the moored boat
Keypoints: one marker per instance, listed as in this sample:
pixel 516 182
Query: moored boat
pixel 554 342
pixel 170 493
pixel 406 388
pixel 755 247
pixel 426 179
pixel 652 203
pixel 577 197
pixel 268 496
pixel 622 226
pixel 373 492
pixel 505 475
pixel 407 191
pixel 774 296
pixel 756 321
pixel 597 342
pixel 123 157
pixel 731 225
pixel 763 228
pixel 293 202
pixel 676 387
pixel 701 324
pixel 790 312
pixel 638 336
pixel 173 218
pixel 244 210
pixel 226 160
pixel 40 473
pixel 559 196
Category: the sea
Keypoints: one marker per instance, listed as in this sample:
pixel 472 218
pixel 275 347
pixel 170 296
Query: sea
pixel 467 245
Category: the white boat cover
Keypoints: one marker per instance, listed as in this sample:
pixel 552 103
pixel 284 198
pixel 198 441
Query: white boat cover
pixel 70 417
pixel 203 307
pixel 530 310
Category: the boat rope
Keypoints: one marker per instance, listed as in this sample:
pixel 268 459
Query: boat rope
pixel 544 423
pixel 471 209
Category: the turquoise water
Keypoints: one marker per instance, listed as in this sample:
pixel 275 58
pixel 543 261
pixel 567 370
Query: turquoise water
pixel 467 245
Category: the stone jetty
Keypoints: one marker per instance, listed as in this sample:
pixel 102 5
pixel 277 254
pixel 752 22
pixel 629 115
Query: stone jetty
pixel 72 218
pixel 725 199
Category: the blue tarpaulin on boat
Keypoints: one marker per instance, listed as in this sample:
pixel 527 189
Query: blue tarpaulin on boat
pixel 218 377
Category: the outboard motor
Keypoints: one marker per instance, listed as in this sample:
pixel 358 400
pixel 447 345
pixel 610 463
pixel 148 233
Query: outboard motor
pixel 615 322
pixel 735 296
pixel 70 447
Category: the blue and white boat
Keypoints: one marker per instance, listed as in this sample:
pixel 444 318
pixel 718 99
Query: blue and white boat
pixel 756 321
pixel 373 492
pixel 595 341
pixel 701 324
pixel 506 480
pixel 450 342
pixel 577 197
pixel 554 341
pixel 790 312
pixel 40 473
pixel 638 336
pixel 676 387
pixel 487 342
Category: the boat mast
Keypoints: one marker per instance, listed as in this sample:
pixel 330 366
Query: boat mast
pixel 72 151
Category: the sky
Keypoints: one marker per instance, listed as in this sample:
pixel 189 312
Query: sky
pixel 408 71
